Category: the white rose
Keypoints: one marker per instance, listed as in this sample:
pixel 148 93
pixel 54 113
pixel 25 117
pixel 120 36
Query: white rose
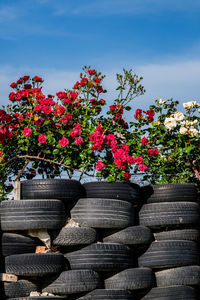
pixel 179 116
pixel 183 130
pixel 190 104
pixel 188 123
pixel 161 101
pixel 170 123
pixel 193 131
pixel 195 123
pixel 182 123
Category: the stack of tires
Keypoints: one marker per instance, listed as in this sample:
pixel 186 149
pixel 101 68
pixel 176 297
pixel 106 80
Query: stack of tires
pixel 105 244
pixel 172 213
pixel 44 206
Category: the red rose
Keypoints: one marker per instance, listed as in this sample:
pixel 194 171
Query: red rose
pixel 57 125
pixel 100 165
pixel 61 95
pixel 139 159
pixel 97 80
pixel 151 112
pixel 131 160
pixel 27 131
pixel 76 130
pixel 149 119
pixel 143 168
pixel 42 139
pixel 19 81
pixel 118 117
pixel 37 79
pixel 79 140
pixel 127 176
pixel 63 142
pixel 46 109
pixel 125 147
pixel 13 85
pixel 25 78
pixel 99 89
pixel 144 141
pixel 12 96
pixel 38 108
pixel 28 113
pixel 138 114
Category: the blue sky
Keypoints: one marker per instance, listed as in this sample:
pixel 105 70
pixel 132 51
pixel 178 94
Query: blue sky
pixel 159 39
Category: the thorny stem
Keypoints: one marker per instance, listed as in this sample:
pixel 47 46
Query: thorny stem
pixel 22 170
pixel 195 170
pixel 30 157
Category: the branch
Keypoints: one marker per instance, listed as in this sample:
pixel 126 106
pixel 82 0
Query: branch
pixel 195 170
pixel 22 170
pixel 30 157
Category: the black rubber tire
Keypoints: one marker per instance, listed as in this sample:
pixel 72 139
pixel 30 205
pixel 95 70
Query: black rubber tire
pixel 131 279
pixel 32 214
pixel 20 288
pixel 134 235
pixel 189 275
pixel 101 257
pixel 185 192
pixel 103 294
pixel 72 236
pixel 39 298
pixel 169 213
pixel 62 189
pixel 113 190
pixel 171 293
pixel 181 234
pixel 169 254
pixel 13 243
pixel 103 213
pixel 74 281
pixel 34 264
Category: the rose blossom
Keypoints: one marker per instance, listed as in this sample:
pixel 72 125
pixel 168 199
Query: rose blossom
pixel 183 130
pixel 63 142
pixel 152 152
pixel 179 116
pixel 193 131
pixel 76 130
pixel 100 165
pixel 27 131
pixel 190 104
pixel 79 140
pixel 139 159
pixel 142 167
pixel 161 101
pixel 144 141
pixel 170 123
pixel 42 139
pixel 127 176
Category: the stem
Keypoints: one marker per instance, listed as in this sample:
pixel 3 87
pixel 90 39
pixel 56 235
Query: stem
pixel 30 157
pixel 195 170
pixel 22 170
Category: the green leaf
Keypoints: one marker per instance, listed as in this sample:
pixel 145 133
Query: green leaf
pixel 67 161
pixel 120 88
pixel 110 178
pixel 128 108
pixel 55 151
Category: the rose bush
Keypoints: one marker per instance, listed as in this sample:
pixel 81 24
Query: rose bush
pixel 45 134
pixel 177 136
